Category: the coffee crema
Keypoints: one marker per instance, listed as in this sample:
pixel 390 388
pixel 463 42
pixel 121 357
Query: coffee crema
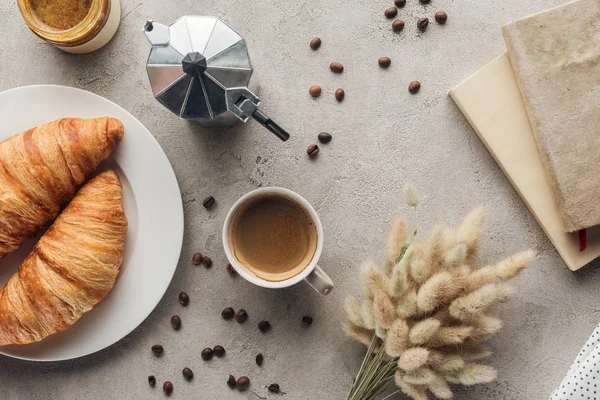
pixel 273 237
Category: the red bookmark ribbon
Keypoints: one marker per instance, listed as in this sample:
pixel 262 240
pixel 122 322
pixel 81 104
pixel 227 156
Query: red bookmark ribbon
pixel 582 240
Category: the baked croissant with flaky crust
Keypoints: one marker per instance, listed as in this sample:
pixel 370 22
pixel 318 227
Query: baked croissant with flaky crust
pixel 72 267
pixel 41 168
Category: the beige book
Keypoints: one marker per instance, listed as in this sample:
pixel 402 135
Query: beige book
pixel 556 59
pixel 491 102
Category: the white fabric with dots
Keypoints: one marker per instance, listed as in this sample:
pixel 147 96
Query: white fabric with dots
pixel 583 378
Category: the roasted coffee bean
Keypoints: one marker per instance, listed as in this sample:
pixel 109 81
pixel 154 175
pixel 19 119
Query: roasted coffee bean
pixel 441 17
pixel 425 1
pixel 422 24
pixel 398 25
pixel 336 67
pixel 184 299
pixel 273 388
pixel 207 262
pixel 314 90
pixel 168 388
pixel 231 382
pixel 231 270
pixel 209 202
pixel 187 374
pixel 384 62
pixel 315 43
pixel 264 326
pixel 306 320
pixel 340 94
pixel 324 137
pixel 391 12
pixel 312 150
pixel 241 316
pixel 228 313
pixel 259 359
pixel 157 349
pixel 207 354
pixel 219 351
pixel 197 258
pixel 243 383
pixel 176 322
pixel 414 87
pixel 152 380
pixel 400 3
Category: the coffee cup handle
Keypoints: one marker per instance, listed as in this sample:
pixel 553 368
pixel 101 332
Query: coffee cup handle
pixel 320 281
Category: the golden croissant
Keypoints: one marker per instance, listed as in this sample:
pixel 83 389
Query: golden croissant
pixel 41 168
pixel 72 267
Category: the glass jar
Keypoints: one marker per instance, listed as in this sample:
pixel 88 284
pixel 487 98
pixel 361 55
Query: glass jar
pixel 94 31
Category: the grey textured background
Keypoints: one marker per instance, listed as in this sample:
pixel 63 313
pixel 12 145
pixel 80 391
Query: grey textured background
pixel 383 137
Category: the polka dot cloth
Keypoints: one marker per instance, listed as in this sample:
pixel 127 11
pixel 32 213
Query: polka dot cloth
pixel 583 378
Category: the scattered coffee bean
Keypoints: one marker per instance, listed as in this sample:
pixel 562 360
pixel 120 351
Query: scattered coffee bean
pixel 228 313
pixel 324 137
pixel 273 388
pixel 336 67
pixel 209 202
pixel 152 380
pixel 231 270
pixel 176 322
pixel 398 25
pixel 391 12
pixel 219 351
pixel 184 299
pixel 187 374
pixel 259 359
pixel 306 320
pixel 243 383
pixel 197 258
pixel 414 87
pixel 400 3
pixel 207 354
pixel 241 316
pixel 340 94
pixel 384 62
pixel 231 382
pixel 157 349
pixel 441 17
pixel 315 43
pixel 422 24
pixel 207 262
pixel 314 90
pixel 264 326
pixel 168 388
pixel 312 150
pixel 425 1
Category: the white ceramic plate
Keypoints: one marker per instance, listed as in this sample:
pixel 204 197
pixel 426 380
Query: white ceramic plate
pixel 152 204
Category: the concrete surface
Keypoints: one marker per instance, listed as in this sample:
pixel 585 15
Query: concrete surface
pixel 383 137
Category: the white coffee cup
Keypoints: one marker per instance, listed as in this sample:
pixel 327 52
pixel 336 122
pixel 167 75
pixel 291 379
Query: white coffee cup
pixel 312 274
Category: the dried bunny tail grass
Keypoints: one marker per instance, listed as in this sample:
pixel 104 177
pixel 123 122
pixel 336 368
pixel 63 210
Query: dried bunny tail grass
pixel 420 267
pixel 468 352
pixel 469 230
pixel 440 388
pixel 462 273
pixel 473 374
pixel 436 246
pixel 360 334
pixel 367 314
pixel 486 326
pixel 380 332
pixel 384 310
pixel 414 391
pixel 420 376
pixel 396 240
pixel 396 341
pixel 399 282
pixel 450 335
pixel 480 277
pixel 354 311
pixel 373 279
pixel 407 305
pixel 477 302
pixel 513 265
pixel 413 359
pixel 441 362
pixel 440 288
pixel 424 330
pixel 411 195
pixel 455 256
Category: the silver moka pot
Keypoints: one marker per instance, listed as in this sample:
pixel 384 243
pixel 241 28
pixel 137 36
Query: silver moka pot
pixel 199 68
